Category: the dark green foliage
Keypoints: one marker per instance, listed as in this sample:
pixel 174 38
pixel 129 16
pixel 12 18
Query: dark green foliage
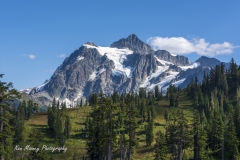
pixel 200 138
pixel 131 124
pixel 149 132
pixel 142 93
pixel 166 115
pixel 67 127
pixel 230 140
pixel 171 100
pixel 101 130
pixel 93 99
pixel 19 123
pixel 157 93
pixel 29 109
pixel 216 133
pixel 50 118
pixel 59 122
pixel 34 141
pixel 160 147
pixel 143 110
pixel 178 134
pixel 81 103
pixel 115 97
pixel 7 94
pixel 35 108
pixel 202 144
pixel 237 119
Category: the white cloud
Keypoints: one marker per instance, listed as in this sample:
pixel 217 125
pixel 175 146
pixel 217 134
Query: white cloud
pixel 62 56
pixel 180 46
pixel 31 56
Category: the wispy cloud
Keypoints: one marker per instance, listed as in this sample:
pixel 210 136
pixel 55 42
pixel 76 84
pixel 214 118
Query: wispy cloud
pixel 180 46
pixel 30 56
pixel 62 56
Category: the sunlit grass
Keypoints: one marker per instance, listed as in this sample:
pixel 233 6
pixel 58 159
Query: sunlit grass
pixel 77 143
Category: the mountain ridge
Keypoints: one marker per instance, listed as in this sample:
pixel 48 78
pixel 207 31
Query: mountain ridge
pixel 125 66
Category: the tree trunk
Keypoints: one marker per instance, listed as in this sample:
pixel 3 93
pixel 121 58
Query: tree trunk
pixel 1 126
pixel 180 150
pixel 121 148
pixel 195 147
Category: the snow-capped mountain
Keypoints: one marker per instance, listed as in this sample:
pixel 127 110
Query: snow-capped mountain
pixel 26 90
pixel 125 66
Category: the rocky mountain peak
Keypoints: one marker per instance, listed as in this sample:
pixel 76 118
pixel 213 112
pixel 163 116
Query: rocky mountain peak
pixel 94 69
pixel 175 59
pixel 133 43
pixel 91 44
pixel 210 62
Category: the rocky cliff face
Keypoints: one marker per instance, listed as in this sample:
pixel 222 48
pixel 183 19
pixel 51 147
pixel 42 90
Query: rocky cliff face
pixel 125 66
pixel 177 60
pixel 133 43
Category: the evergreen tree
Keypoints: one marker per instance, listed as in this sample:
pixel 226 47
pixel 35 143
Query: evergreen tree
pixel 157 94
pixel 171 100
pixel 81 103
pixel 216 133
pixel 237 119
pixel 50 117
pixel 19 124
pixel 7 94
pixel 29 109
pixel 142 93
pixel 160 147
pixel 131 125
pixel 34 141
pixel 115 97
pixel 35 108
pixel 101 130
pixel 166 115
pixel 149 132
pixel 230 140
pixel 200 138
pixel 143 110
pixel 202 144
pixel 67 127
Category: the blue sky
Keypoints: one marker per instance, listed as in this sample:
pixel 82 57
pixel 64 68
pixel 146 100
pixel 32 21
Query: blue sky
pixel 35 35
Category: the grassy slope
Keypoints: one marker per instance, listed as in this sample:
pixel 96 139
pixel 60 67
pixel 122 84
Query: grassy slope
pixel 77 143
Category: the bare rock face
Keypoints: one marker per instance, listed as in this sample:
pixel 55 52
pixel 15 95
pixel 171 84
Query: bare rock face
pixel 133 43
pixel 177 60
pixel 210 62
pixel 125 66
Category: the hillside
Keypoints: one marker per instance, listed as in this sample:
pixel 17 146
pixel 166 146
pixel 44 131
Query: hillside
pixel 77 143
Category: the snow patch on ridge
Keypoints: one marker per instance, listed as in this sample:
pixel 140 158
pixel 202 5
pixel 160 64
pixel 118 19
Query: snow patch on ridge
pixel 160 70
pixel 96 73
pixel 40 88
pixel 173 54
pixel 26 90
pixel 69 104
pixel 79 95
pixel 166 80
pixel 194 65
pixel 79 58
pixel 163 62
pixel 176 84
pixel 118 56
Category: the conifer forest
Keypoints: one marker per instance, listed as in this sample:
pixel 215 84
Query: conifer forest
pixel 199 122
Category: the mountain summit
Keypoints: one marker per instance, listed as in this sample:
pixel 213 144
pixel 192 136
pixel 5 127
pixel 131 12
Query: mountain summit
pixel 125 66
pixel 133 43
